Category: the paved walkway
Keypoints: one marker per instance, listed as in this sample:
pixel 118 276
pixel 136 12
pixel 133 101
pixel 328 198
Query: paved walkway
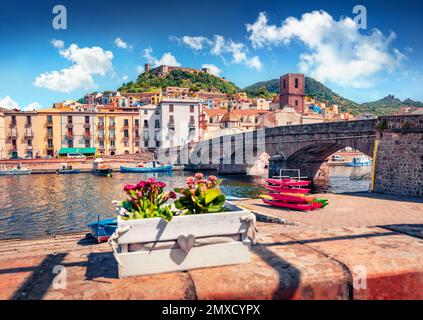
pixel 309 261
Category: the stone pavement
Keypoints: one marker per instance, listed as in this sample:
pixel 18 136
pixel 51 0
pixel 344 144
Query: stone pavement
pixel 308 261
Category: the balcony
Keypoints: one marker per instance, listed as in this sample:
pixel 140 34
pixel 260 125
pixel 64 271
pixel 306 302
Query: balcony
pixel 69 125
pixel 125 138
pixel 100 126
pixel 28 124
pixel 112 147
pixel 87 125
pixel 171 125
pixel 29 148
pixel 69 135
pixel 50 148
pixel 191 125
pixel 12 125
pixel 49 134
pixel 29 134
pixel 49 124
pixel 13 134
pixel 112 137
pixel 112 126
pixel 87 135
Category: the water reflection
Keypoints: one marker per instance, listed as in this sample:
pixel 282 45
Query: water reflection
pixel 49 204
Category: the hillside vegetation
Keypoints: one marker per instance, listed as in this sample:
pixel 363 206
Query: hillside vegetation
pixel 317 90
pixel 193 81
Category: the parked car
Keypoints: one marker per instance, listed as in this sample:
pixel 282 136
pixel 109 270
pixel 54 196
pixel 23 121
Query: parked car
pixel 76 156
pixel 337 157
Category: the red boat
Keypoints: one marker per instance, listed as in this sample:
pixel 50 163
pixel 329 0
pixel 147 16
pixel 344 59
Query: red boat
pixel 288 182
pixel 288 190
pixel 295 206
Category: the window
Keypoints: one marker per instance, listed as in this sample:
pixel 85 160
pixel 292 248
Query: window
pixel 146 135
pixel 70 143
pixel 87 119
pixel 49 119
pixel 87 130
pixel 50 143
pixel 28 120
pixel 157 124
pixel 157 111
pixel 191 120
pixel 69 119
pixel 101 143
pixel 296 103
pixel 126 144
pixel 125 122
pixel 146 143
pixel 29 143
pixel 112 143
pixel 137 133
pixel 137 144
pixel 211 120
pixel 112 121
pixel 112 134
pixel 13 119
pixel 137 122
pixel 146 123
pixel 296 83
pixel 101 121
pixel 171 119
pixel 157 144
pixel 14 143
pixel 171 108
pixel 126 133
pixel 145 112
pixel 284 83
pixel 50 131
pixel 191 108
pixel 87 143
pixel 101 133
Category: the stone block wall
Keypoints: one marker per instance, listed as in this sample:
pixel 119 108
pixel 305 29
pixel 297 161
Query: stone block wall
pixel 399 161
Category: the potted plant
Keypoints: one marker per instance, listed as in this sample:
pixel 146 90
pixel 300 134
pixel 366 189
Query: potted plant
pixel 160 232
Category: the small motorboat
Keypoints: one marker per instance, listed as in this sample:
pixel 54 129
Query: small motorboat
pixel 152 166
pixel 101 230
pixel 100 168
pixel 16 171
pixel 360 161
pixel 67 169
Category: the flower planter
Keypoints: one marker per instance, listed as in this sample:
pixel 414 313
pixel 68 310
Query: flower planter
pixel 150 246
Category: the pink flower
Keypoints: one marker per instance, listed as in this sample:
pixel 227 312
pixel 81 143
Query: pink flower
pixel 141 185
pixel 199 175
pixel 129 187
pixel 152 180
pixel 189 181
pixel 213 178
pixel 161 184
pixel 192 191
pixel 172 195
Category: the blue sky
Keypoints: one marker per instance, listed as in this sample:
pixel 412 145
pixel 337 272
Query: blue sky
pixel 317 38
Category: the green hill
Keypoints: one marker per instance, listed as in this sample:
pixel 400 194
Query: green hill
pixel 317 90
pixel 194 81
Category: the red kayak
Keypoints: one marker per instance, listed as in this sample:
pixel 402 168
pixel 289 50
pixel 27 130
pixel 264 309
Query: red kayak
pixel 295 206
pixel 288 182
pixel 291 198
pixel 289 190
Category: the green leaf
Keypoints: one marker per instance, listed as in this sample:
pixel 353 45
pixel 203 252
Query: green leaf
pixel 211 194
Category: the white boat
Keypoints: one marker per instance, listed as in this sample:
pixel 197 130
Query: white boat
pixel 18 170
pixel 360 161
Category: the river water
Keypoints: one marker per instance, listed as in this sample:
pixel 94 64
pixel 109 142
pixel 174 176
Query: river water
pixel 36 205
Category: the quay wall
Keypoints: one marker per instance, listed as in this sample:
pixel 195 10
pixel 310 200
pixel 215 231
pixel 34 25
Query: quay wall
pixel 399 160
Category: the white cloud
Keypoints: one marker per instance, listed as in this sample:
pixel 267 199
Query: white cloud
pixel 336 50
pixel 167 59
pixel 32 106
pixel 125 78
pixel 195 43
pixel 87 62
pixel 58 43
pixel 213 69
pixel 122 44
pixel 221 47
pixel 8 103
pixel 140 69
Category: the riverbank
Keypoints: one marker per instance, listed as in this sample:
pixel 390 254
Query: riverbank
pixel 318 258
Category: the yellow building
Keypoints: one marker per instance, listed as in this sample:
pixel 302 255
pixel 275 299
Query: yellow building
pixel 117 131
pixel 49 131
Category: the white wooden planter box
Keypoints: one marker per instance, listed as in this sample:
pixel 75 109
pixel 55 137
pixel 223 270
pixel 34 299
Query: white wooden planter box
pixel 149 246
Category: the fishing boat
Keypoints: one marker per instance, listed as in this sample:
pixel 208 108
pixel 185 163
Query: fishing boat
pixel 67 169
pixel 152 166
pixel 100 168
pixel 360 161
pixel 18 170
pixel 101 230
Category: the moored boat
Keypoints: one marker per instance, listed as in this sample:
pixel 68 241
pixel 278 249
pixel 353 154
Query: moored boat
pixel 101 230
pixel 360 161
pixel 295 206
pixel 291 190
pixel 100 168
pixel 152 166
pixel 67 169
pixel 16 171
pixel 288 182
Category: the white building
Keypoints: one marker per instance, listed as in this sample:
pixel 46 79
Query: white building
pixel 150 126
pixel 179 119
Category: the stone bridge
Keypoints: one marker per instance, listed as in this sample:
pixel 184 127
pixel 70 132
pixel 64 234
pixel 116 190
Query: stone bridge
pixel 302 147
pixel 306 147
